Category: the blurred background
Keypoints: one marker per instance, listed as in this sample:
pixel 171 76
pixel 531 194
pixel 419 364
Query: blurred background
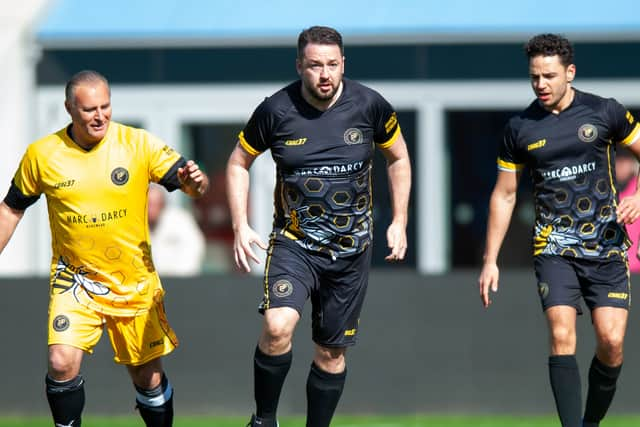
pixel 192 71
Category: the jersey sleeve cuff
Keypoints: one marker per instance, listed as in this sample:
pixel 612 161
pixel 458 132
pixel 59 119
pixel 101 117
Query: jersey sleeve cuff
pixel 509 166
pixel 633 136
pixel 391 140
pixel 248 148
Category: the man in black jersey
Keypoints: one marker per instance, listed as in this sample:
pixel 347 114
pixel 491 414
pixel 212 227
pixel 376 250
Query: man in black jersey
pixel 322 131
pixel 567 139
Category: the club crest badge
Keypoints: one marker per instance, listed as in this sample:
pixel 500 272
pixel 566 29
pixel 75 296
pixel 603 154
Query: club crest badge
pixel 61 323
pixel 587 133
pixel 353 136
pixel 120 176
pixel 282 288
pixel 543 290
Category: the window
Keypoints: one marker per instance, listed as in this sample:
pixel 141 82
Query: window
pixel 472 140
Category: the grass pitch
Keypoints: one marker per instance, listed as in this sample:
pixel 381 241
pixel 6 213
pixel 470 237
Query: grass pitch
pixel 340 421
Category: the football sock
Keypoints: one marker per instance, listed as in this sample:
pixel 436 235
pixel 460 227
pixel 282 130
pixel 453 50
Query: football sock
pixel 269 373
pixel 323 393
pixel 156 405
pixel 66 400
pixel 262 422
pixel 602 387
pixel 565 383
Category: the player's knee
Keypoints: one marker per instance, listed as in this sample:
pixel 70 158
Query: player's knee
pixel 610 348
pixel 563 337
pixel 330 359
pixel 61 367
pixel 278 330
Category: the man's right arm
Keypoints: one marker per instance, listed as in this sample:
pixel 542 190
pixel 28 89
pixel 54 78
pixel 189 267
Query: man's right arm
pixel 501 205
pixel 9 219
pixel 237 177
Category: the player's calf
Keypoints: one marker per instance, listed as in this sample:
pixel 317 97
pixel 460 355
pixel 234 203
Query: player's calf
pixel 156 405
pixel 66 400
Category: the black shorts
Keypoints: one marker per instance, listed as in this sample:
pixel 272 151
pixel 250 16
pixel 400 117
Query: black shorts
pixel 601 282
pixel 337 288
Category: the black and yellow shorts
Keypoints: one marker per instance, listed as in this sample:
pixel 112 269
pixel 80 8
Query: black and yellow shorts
pixel 602 282
pixel 336 287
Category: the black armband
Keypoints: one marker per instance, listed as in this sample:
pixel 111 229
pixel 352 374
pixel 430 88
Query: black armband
pixel 18 201
pixel 170 179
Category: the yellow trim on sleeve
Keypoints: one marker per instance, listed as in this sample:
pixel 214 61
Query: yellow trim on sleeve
pixel 391 140
pixel 508 166
pixel 248 148
pixel 632 136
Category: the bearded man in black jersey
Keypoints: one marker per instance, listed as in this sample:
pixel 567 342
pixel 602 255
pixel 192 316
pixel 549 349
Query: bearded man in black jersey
pixel 322 131
pixel 567 139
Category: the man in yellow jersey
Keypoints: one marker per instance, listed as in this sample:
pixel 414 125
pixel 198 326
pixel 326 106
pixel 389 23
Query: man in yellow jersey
pixel 95 174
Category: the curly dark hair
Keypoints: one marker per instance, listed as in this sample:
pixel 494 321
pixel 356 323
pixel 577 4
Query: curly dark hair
pixel 550 45
pixel 319 35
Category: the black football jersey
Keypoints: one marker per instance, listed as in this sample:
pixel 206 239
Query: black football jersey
pixel 570 157
pixel 323 192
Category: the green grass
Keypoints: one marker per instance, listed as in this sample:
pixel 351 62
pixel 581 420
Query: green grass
pixel 351 421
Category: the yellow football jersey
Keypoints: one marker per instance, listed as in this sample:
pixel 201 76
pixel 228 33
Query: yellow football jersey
pixel 97 203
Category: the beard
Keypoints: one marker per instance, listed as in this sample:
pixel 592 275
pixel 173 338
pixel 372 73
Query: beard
pixel 321 96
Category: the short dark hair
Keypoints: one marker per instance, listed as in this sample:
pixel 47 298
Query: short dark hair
pixel 550 45
pixel 319 35
pixel 84 76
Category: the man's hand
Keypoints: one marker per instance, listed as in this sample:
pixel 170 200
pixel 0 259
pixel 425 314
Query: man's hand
pixel 488 280
pixel 628 210
pixel 397 242
pixel 243 240
pixel 192 180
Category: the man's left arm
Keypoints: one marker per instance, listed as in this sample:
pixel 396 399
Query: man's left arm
pixel 399 173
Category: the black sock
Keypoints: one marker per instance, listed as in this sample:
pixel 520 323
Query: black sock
pixel 323 393
pixel 602 387
pixel 66 400
pixel 156 405
pixel 269 373
pixel 565 383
